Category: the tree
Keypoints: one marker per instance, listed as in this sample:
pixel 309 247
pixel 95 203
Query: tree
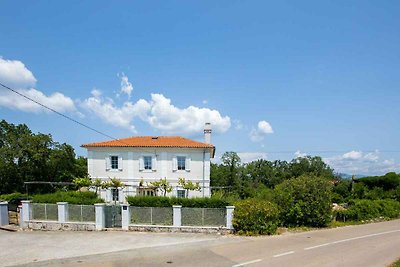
pixel 189 185
pixel 82 182
pixel 97 183
pixel 310 165
pixel 232 161
pixel 163 185
pixel 26 156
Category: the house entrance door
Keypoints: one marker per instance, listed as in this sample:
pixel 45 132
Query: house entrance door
pixel 113 216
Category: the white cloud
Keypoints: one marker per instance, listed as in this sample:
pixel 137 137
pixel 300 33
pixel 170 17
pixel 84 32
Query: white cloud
pixel 167 118
pixel 105 109
pixel 247 157
pixel 205 101
pixel 263 128
pixel 299 154
pixel 13 73
pixel 357 162
pixel 159 113
pixel 353 155
pixel 56 101
pixel 126 86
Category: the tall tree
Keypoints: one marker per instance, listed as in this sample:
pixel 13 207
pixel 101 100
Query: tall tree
pixel 232 161
pixel 25 156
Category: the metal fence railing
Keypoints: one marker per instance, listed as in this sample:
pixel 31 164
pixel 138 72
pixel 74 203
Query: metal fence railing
pixel 81 213
pixel 41 211
pixel 203 216
pixel 151 215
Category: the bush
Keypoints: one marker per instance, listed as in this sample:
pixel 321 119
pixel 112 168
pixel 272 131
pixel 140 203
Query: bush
pixel 13 196
pixel 366 209
pixel 305 201
pixel 72 197
pixel 159 201
pixel 255 217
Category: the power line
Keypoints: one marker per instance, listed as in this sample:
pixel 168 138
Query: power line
pixel 59 113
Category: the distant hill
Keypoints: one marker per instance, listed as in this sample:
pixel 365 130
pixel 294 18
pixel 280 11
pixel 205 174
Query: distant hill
pixel 348 176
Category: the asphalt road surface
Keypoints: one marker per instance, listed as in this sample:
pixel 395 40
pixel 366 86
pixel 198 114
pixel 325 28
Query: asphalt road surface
pixel 376 244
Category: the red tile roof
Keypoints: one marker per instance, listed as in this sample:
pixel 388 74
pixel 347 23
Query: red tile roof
pixel 153 141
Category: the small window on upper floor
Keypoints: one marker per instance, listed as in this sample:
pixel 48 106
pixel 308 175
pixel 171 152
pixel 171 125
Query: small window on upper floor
pixel 181 162
pixel 147 162
pixel 114 162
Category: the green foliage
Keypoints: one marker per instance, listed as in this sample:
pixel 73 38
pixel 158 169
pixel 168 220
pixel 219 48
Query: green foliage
pixel 13 196
pixel 255 217
pixel 228 197
pixel 163 185
pixel 366 209
pixel 25 156
pixel 341 191
pixel 72 197
pixel 158 201
pixel 188 185
pixel 389 181
pixel 82 182
pixel 247 179
pixel 305 201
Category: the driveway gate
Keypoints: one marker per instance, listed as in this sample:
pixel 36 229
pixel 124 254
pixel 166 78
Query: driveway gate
pixel 113 216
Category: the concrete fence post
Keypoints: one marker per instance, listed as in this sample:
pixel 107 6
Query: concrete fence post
pixel 229 216
pixel 100 216
pixel 26 213
pixel 126 216
pixel 3 213
pixel 177 215
pixel 63 212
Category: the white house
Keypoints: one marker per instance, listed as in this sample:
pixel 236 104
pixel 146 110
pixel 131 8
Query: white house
pixel 139 160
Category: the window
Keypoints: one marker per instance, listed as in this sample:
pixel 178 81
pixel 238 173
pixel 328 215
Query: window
pixel 146 192
pixel 181 193
pixel 147 162
pixel 114 193
pixel 114 162
pixel 181 162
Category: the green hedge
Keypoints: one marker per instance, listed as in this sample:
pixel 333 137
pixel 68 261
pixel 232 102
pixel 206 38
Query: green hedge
pixel 155 201
pixel 72 197
pixel 255 217
pixel 13 196
pixel 366 209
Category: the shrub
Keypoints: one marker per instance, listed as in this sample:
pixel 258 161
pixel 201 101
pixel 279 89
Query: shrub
pixel 255 217
pixel 305 201
pixel 72 197
pixel 159 201
pixel 366 209
pixel 13 196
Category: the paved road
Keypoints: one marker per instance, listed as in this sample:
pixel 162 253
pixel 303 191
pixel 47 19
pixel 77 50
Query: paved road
pixel 365 245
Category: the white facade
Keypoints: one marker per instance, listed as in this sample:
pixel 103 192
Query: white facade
pixel 135 165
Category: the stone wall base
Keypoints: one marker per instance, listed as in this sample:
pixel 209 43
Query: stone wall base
pixel 56 226
pixel 181 229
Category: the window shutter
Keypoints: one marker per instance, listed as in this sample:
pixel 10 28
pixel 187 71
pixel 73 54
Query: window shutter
pixel 119 162
pixel 187 164
pixel 108 163
pixel 174 164
pixel 154 163
pixel 141 164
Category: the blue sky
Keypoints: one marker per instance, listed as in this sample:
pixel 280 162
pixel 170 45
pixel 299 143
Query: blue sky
pixel 310 77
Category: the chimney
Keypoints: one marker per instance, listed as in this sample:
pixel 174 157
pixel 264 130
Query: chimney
pixel 207 133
